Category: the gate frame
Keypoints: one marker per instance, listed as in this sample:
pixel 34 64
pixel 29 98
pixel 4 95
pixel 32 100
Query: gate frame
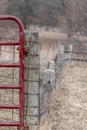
pixel 20 42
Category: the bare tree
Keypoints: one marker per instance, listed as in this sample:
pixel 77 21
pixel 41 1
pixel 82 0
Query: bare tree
pixel 21 9
pixel 76 16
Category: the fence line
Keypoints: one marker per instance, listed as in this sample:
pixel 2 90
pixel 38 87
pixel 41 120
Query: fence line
pixel 70 58
pixel 38 93
pixel 51 79
pixel 53 75
pixel 77 52
pixel 37 96
pixel 77 59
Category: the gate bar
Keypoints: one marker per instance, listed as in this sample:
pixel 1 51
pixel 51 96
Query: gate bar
pixel 11 43
pixel 10 124
pixel 9 86
pixel 7 106
pixel 10 65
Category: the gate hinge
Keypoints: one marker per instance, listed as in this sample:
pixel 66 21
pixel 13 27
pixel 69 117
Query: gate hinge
pixel 25 50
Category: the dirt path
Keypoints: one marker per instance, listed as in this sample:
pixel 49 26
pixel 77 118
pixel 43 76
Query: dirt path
pixel 68 109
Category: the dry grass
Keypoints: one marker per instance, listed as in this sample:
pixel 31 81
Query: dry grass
pixel 68 108
pixel 49 43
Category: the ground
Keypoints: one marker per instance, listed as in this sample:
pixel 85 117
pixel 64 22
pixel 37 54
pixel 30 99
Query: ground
pixel 68 107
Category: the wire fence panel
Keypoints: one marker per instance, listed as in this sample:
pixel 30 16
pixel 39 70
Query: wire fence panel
pixel 51 79
pixel 9 76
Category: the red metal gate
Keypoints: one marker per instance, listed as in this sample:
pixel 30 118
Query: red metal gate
pixel 20 86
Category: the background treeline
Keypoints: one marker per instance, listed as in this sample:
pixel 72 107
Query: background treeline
pixel 42 12
pixel 70 15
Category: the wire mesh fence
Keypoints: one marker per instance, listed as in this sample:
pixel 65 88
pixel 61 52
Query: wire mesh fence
pixel 32 78
pixel 9 76
pixel 51 80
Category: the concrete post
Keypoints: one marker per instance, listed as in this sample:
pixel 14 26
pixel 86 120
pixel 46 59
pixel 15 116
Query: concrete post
pixel 32 76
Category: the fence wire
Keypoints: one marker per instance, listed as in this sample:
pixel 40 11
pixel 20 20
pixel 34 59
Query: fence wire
pixel 9 76
pixel 51 79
